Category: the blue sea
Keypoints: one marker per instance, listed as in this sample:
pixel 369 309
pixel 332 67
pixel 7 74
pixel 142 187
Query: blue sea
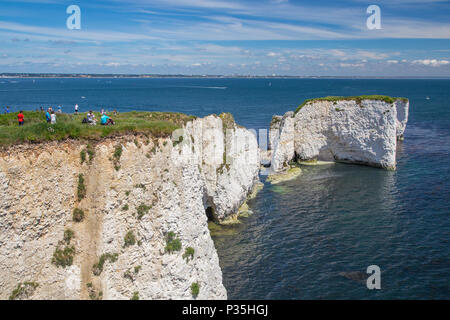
pixel 305 235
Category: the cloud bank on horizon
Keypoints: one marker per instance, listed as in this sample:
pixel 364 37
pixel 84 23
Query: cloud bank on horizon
pixel 255 37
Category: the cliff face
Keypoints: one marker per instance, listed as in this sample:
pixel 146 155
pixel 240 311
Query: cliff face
pixel 140 198
pixel 364 132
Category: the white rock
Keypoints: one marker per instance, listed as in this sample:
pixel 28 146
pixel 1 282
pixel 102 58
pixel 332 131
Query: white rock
pixel 39 186
pixel 343 131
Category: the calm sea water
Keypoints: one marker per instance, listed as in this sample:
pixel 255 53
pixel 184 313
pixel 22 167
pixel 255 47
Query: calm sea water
pixel 334 219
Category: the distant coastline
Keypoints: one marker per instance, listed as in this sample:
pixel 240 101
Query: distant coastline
pixel 156 76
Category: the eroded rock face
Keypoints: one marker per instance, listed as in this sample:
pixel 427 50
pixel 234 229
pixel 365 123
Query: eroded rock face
pixel 159 187
pixel 229 163
pixel 402 107
pixel 274 131
pixel 364 132
pixel 284 149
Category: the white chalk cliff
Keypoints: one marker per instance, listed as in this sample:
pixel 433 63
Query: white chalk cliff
pixel 132 203
pixel 353 130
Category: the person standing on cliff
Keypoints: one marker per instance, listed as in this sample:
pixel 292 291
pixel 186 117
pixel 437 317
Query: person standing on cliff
pixel 53 118
pixel 20 117
pixel 47 116
pixel 76 109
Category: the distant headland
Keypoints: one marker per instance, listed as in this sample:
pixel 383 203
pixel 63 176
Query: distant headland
pixel 206 76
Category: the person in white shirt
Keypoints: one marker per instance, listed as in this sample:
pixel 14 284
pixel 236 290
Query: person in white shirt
pixel 76 108
pixel 53 118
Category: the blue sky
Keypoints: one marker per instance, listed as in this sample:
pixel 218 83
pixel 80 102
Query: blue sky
pixel 256 37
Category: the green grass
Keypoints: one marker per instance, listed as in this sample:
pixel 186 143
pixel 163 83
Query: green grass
pixel 142 210
pixel 68 126
pixel 135 296
pixel 68 236
pixel 188 254
pixel 358 99
pixel 129 239
pixel 63 257
pixel 78 215
pixel 172 243
pixel 81 191
pixel 83 156
pixel 195 289
pixel 227 121
pixel 116 156
pixel 23 290
pixel 97 268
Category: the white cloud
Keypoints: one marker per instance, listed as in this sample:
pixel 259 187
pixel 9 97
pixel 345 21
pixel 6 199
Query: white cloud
pixel 351 65
pixel 431 62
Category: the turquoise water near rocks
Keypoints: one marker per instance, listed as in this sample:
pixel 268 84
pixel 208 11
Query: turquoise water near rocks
pixel 334 219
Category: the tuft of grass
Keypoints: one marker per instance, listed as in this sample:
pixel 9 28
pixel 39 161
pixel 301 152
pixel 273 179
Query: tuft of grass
pixel 23 290
pixel 358 99
pixel 180 140
pixel 172 244
pixel 227 121
pixel 81 191
pixel 37 130
pixel 116 156
pixel 77 215
pixel 188 254
pixel 128 275
pixel 97 268
pixel 129 239
pixel 127 193
pixel 142 210
pixel 93 295
pixel 63 257
pixel 135 296
pixel 195 289
pixel 141 186
pixel 68 235
pixel 131 275
pixel 83 156
pixel 125 207
pixel 90 151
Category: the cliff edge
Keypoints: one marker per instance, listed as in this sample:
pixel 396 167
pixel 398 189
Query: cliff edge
pixel 122 217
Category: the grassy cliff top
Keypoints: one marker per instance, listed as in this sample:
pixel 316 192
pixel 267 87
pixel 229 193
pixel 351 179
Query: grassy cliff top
pixel 70 126
pixel 355 98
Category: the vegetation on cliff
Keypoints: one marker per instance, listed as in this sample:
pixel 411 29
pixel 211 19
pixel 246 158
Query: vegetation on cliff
pixel 69 126
pixel 358 99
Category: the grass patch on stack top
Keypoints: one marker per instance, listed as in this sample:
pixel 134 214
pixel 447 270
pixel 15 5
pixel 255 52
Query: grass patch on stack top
pixel 358 99
pixel 68 126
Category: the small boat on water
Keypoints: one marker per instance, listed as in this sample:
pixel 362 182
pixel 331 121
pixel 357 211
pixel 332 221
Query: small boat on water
pixel 428 98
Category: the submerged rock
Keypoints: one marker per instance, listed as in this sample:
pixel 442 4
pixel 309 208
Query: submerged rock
pixel 287 175
pixel 354 275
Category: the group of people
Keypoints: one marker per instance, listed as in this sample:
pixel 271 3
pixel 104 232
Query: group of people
pixel 50 116
pixel 105 120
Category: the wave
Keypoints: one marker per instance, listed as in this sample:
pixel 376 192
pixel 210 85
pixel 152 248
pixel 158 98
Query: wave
pixel 200 87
